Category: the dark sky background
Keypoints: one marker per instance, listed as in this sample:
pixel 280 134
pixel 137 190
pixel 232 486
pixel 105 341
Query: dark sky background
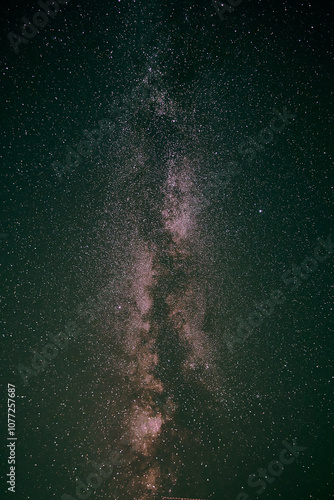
pixel 146 255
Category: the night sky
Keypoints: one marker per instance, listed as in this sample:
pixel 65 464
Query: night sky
pixel 167 249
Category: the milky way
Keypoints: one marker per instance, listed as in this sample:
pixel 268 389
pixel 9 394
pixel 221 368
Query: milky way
pixel 162 292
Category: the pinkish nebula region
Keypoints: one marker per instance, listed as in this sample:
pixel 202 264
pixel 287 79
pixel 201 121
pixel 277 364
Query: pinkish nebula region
pixel 156 347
